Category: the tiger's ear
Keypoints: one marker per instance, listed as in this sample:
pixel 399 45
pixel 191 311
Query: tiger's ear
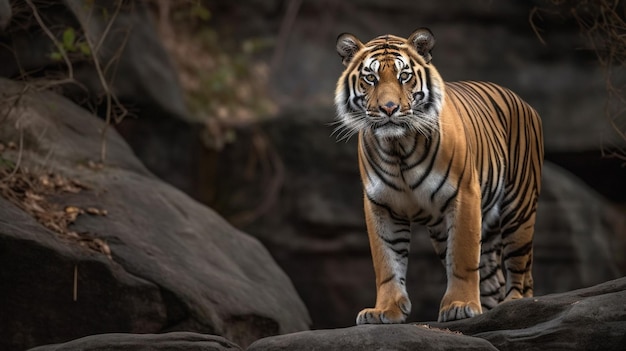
pixel 347 46
pixel 423 41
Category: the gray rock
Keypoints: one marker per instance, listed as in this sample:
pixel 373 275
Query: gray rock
pixel 175 264
pixel 175 341
pixel 145 75
pixel 587 319
pixel 138 68
pixel 372 337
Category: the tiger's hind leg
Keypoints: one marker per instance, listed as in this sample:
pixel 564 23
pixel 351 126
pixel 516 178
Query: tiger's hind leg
pixel 517 250
pixel 491 277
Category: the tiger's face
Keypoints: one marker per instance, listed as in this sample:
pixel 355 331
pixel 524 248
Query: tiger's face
pixel 388 85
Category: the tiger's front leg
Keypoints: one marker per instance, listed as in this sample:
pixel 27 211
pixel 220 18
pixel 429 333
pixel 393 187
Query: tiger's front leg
pixel 462 258
pixel 389 238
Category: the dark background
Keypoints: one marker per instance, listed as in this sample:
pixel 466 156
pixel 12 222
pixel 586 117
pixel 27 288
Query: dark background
pixel 231 102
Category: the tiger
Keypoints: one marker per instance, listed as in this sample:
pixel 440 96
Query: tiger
pixel 462 158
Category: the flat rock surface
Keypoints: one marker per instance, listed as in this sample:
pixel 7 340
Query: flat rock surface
pixel 373 337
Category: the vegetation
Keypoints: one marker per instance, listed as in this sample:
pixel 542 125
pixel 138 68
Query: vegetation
pixel 223 85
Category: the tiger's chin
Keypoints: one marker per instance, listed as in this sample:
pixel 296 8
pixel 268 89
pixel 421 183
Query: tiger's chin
pixel 390 131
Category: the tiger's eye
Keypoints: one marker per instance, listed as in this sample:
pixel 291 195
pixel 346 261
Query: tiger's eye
pixel 404 76
pixel 370 78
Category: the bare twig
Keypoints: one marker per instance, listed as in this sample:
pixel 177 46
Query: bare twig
pixel 75 287
pixel 111 101
pixel 59 46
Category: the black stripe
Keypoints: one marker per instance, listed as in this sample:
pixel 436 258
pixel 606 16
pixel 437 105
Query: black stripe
pixel 521 251
pixel 378 170
pixel 431 97
pixel 346 89
pixel 392 277
pixel 396 240
pixel 392 214
pixel 429 169
pixel 445 177
pixel 386 46
pixel 491 274
pixel 513 288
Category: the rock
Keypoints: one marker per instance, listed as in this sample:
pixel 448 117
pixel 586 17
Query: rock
pixel 174 264
pixel 313 223
pixel 183 341
pixel 372 337
pixel 587 319
pixel 143 77
pixel 138 69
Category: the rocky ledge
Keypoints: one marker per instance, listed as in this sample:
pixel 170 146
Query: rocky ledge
pixel 587 319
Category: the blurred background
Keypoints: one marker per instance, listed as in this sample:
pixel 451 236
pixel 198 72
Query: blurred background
pixel 231 102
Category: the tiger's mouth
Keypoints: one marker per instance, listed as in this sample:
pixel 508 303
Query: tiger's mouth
pixel 390 129
pixel 387 124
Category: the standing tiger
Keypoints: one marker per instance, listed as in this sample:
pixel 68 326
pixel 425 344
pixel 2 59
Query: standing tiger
pixel 463 158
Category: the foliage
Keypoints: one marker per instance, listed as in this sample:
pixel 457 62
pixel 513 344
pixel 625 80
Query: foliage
pixel 223 84
pixel 70 44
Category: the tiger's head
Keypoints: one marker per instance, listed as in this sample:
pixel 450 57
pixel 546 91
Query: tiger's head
pixel 388 86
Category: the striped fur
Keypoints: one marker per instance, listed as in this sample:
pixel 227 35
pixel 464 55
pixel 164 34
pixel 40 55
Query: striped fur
pixel 463 158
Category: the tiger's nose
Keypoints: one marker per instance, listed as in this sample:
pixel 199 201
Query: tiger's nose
pixel 389 108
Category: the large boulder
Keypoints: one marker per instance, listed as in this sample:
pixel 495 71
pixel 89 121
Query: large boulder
pixel 299 192
pixel 90 248
pixel 593 318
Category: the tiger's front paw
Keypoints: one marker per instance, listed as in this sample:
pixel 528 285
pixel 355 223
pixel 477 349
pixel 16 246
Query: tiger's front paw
pixel 396 313
pixel 456 310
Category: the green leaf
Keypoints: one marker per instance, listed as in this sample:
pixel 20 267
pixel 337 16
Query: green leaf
pixel 84 48
pixel 56 56
pixel 6 163
pixel 105 13
pixel 201 12
pixel 69 36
